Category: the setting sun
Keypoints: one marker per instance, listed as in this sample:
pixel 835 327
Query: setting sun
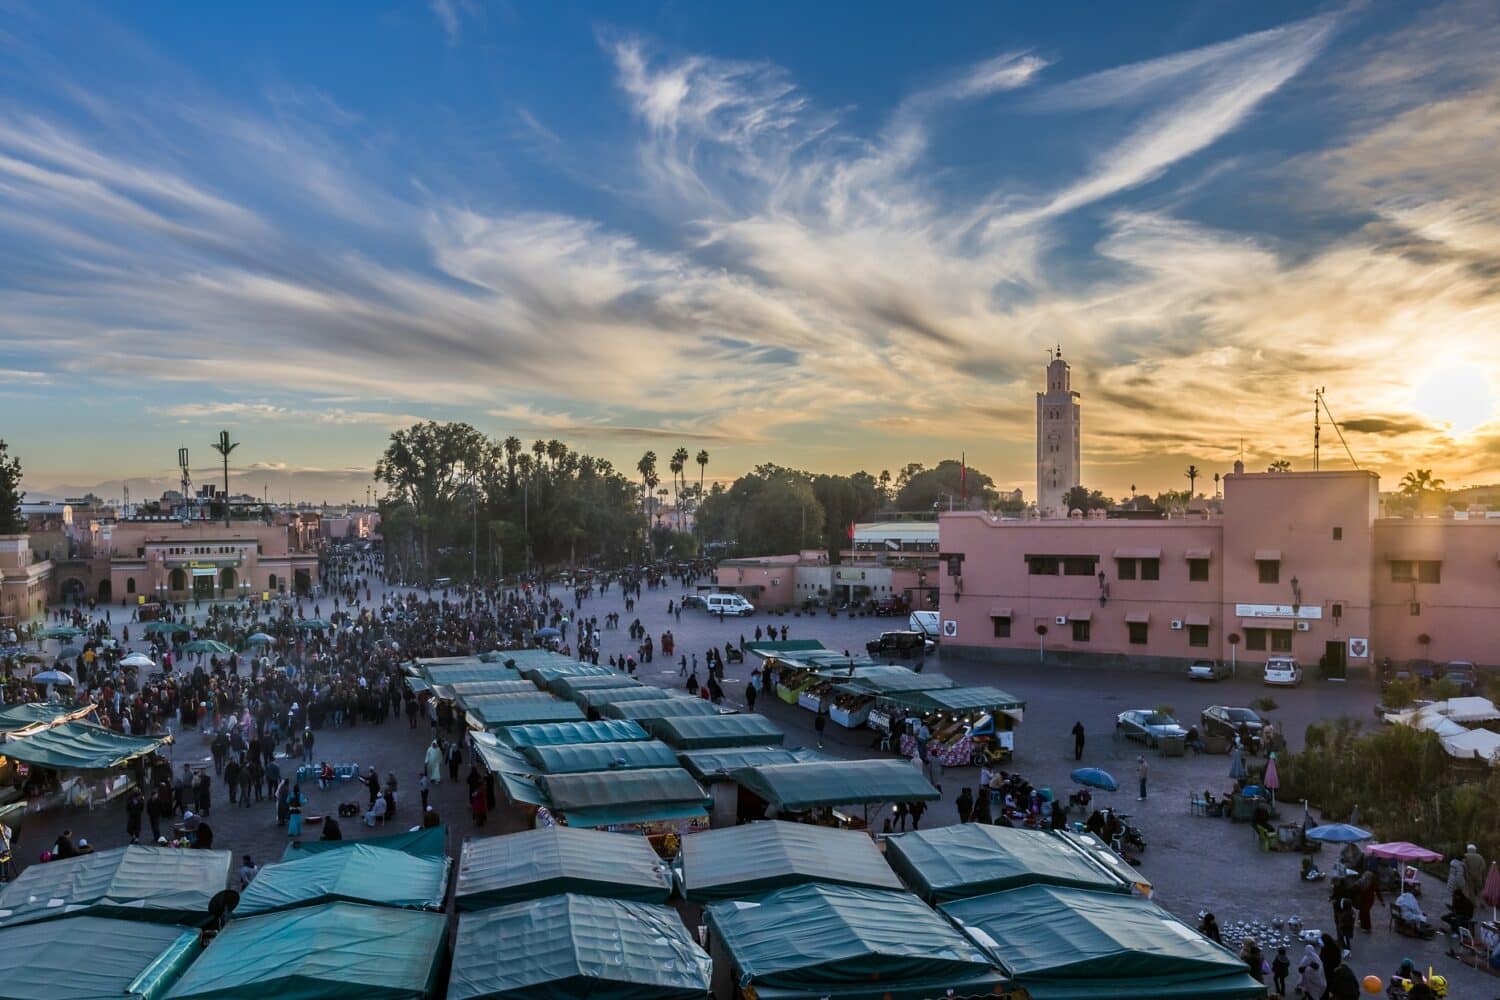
pixel 1461 398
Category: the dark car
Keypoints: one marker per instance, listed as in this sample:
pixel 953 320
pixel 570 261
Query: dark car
pixel 693 601
pixel 1424 670
pixel 888 606
pixel 1463 675
pixel 1148 726
pixel 898 644
pixel 1225 721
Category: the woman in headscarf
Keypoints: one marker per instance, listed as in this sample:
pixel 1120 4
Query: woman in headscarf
pixel 294 803
pixel 1312 980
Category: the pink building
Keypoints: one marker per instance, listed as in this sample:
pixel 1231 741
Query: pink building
pixel 1297 564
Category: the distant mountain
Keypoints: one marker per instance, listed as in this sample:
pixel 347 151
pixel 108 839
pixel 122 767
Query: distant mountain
pixel 141 489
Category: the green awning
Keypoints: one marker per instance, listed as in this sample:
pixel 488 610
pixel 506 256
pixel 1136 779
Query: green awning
pixel 646 711
pixel 478 689
pixel 740 862
pixel 526 713
pixel 707 732
pixel 163 885
pixel 571 946
pixel 798 787
pixel 427 842
pixel 964 700
pixel 834 940
pixel 790 646
pixel 598 698
pixel 568 685
pixel 893 678
pixel 14 717
pixel 336 951
pixel 80 746
pixel 522 789
pixel 560 666
pixel 564 733
pixel 89 958
pixel 468 673
pixel 360 874
pixel 1073 942
pixel 626 756
pixel 973 859
pixel 496 871
pixel 715 765
pixel 621 797
pixel 498 758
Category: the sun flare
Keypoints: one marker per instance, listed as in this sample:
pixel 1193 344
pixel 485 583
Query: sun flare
pixel 1461 398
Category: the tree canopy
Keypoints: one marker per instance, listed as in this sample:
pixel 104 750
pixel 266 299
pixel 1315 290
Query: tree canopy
pixel 11 494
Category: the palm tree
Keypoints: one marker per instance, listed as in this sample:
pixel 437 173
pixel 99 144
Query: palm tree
pixel 647 468
pixel 512 449
pixel 1216 484
pixel 1415 484
pixel 224 446
pixel 1192 478
pixel 1280 465
pixel 885 484
pixel 678 464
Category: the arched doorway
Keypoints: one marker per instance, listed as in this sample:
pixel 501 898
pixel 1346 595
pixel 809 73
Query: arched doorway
pixel 73 589
pixel 302 582
pixel 130 585
pixel 106 590
pixel 271 583
pixel 178 581
pixel 227 582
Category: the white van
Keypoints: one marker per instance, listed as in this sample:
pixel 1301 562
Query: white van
pixel 1283 671
pixel 925 622
pixel 728 604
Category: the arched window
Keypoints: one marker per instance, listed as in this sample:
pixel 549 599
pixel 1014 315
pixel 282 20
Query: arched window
pixel 130 585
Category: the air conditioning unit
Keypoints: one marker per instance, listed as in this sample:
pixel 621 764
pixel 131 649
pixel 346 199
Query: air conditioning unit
pixel 1304 626
pixel 1176 625
pixel 1062 619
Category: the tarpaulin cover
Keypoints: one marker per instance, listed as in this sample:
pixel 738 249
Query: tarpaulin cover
pixel 740 862
pixel 568 685
pixel 821 938
pixel 561 666
pixel 337 951
pixel 958 699
pixel 646 711
pixel 894 678
pixel 715 765
pixel 429 842
pixel 600 697
pixel 785 647
pixel 13 717
pixel 797 787
pixel 615 797
pixel 625 756
pixel 708 732
pixel 478 689
pixel 497 757
pixel 564 733
pixel 570 946
pixel 529 712
pixel 1073 942
pixel 87 958
pixel 973 859
pixel 495 871
pixel 360 874
pixel 463 673
pixel 522 789
pixel 161 885
pixel 80 746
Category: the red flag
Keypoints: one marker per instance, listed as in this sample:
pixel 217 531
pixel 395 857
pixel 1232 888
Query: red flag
pixel 851 530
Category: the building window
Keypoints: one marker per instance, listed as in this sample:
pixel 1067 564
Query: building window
pixel 1198 570
pixel 1416 571
pixel 1337 610
pixel 1002 627
pixel 1270 570
pixel 1150 569
pixel 1255 639
pixel 1402 571
pixel 1125 569
pixel 1197 635
pixel 130 585
pixel 1281 640
pixel 1429 572
pixel 1416 609
pixel 1080 565
pixel 1137 633
pixel 1043 565
pixel 1338 534
pixel 1080 631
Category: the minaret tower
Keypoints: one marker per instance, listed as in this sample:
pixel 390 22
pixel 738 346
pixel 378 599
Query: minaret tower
pixel 1057 438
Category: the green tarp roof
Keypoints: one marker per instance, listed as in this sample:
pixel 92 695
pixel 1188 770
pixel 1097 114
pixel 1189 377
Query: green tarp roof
pixel 822 940
pixel 529 712
pixel 548 861
pixel 89 958
pixel 463 673
pixel 626 756
pixel 80 746
pixel 600 697
pixel 522 789
pixel 164 885
pixel 788 646
pixel 568 685
pixel 570 946
pixel 13 717
pixel 972 859
pixel 337 951
pixel 1098 944
pixel 564 733
pixel 561 666
pixel 958 699
pixel 478 689
pixel 428 842
pixel 893 679
pixel 707 732
pixel 798 787
pixel 619 797
pixel 359 874
pixel 739 862
pixel 715 765
pixel 497 757
pixel 659 708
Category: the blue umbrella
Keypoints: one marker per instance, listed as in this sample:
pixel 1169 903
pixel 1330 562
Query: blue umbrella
pixel 1339 833
pixel 548 633
pixel 1093 777
pixel 260 639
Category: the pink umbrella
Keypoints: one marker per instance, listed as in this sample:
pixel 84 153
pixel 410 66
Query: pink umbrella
pixel 1272 779
pixel 1403 851
pixel 1491 891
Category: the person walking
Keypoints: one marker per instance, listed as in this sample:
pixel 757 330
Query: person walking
pixel 455 758
pixel 425 787
pixel 750 696
pixel 1141 772
pixel 432 762
pixel 294 803
pixel 1078 740
pixel 965 804
pixel 134 806
pixel 818 723
pixel 1312 981
pixel 307 745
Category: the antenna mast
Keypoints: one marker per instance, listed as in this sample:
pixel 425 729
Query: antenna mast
pixel 1337 430
pixel 1317 428
pixel 187 483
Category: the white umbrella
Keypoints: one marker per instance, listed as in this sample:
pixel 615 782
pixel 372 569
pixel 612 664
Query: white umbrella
pixel 137 660
pixel 53 677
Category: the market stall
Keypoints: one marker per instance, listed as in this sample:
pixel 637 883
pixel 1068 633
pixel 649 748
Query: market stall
pixel 967 725
pixel 125 958
pixel 974 859
pixel 376 876
pixel 423 842
pixel 803 787
pixel 569 686
pixel 714 765
pixel 164 885
pixel 598 699
pixel 515 867
pixel 856 697
pixel 649 710
pixel 631 755
pixel 490 712
pixel 744 861
pixel 708 732
pixel 565 733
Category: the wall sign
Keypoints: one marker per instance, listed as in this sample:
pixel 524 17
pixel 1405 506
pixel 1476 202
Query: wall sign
pixel 1359 649
pixel 950 628
pixel 1305 612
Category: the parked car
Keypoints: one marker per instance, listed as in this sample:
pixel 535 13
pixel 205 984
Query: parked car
pixel 925 622
pixel 1283 671
pixel 1463 674
pixel 1222 720
pixel 1148 726
pixel 733 605
pixel 899 644
pixel 1207 670
pixel 888 607
pixel 1424 670
pixel 693 601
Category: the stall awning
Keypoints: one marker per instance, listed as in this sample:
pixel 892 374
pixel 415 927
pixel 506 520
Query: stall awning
pixel 799 787
pixel 709 732
pixel 1137 553
pixel 1197 620
pixel 124 958
pixel 80 746
pixel 632 755
pixel 549 734
pixel 620 797
pixel 981 698
pixel 376 876
pixel 649 710
pixel 715 765
pixel 1000 612
pixel 738 862
pixel 425 842
pixel 155 884
pixel 1198 554
pixel 1138 617
pixel 498 871
pixel 1268 555
pixel 973 859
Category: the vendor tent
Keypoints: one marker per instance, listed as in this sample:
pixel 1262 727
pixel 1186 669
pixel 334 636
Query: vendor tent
pixel 1473 744
pixel 565 733
pixel 958 700
pixel 498 715
pixel 708 732
pixel 834 940
pixel 89 958
pixel 568 685
pixel 80 746
pixel 973 859
pixel 715 765
pixel 890 679
pixel 739 862
pixel 645 712
pixel 522 789
pixel 461 673
pixel 478 689
pixel 161 885
pixel 426 842
pixel 787 647
pixel 798 787
pixel 360 874
pixel 1061 942
pixel 570 946
pixel 626 756
pixel 613 798
pixel 31 713
pixel 549 861
pixel 598 698
pixel 560 666
pixel 496 757
pixel 336 951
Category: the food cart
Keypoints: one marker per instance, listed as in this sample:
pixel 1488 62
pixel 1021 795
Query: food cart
pixel 966 725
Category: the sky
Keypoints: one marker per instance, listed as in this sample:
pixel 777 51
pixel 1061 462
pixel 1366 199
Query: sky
pixel 832 236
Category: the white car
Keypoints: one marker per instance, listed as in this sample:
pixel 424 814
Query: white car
pixel 1283 671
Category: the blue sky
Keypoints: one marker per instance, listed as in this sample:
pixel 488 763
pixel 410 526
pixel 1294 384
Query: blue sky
pixel 837 236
